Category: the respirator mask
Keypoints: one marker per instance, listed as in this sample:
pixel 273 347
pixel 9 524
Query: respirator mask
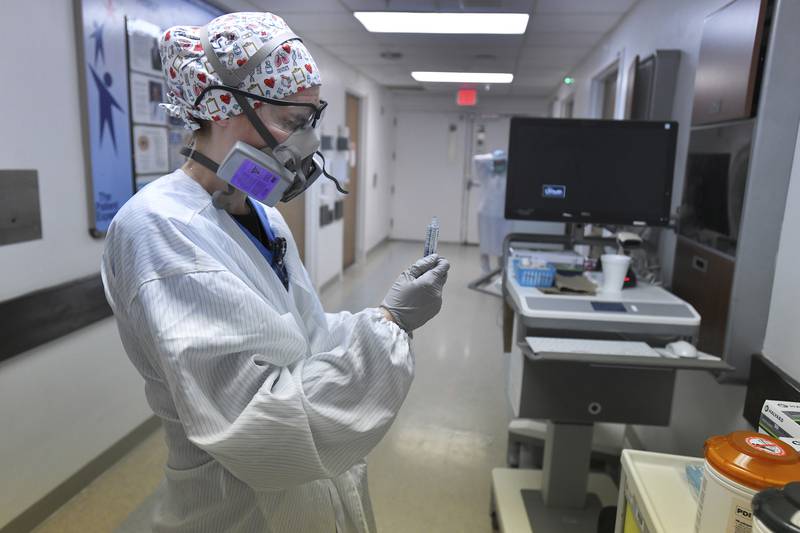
pixel 279 172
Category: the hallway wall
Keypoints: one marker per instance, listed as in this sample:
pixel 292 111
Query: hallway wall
pixel 65 402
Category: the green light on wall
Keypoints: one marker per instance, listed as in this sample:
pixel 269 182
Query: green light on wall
pixel 569 80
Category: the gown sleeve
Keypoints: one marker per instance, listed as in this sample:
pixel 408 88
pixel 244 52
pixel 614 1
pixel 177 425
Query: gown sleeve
pixel 250 393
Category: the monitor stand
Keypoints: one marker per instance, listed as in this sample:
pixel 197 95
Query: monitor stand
pixel 564 504
pixel 562 497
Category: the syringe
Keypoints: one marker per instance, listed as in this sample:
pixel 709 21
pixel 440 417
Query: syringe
pixel 432 237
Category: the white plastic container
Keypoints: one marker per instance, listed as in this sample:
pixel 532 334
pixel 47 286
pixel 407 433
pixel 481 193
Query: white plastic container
pixel 724 505
pixel 737 466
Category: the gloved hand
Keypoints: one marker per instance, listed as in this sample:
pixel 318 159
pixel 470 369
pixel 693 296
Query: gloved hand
pixel 416 295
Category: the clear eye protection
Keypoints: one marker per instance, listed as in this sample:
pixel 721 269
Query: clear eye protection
pixel 288 119
pixel 310 118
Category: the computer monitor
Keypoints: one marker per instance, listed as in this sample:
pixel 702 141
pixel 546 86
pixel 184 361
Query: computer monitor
pixel 592 171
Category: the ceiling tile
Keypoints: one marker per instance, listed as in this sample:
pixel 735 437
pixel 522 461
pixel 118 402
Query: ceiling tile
pixel 506 42
pixel 560 35
pixel 445 6
pixel 552 56
pixel 538 77
pixel 563 38
pixel 282 7
pixel 232 6
pixel 312 22
pixel 599 23
pixel 331 38
pixel 582 6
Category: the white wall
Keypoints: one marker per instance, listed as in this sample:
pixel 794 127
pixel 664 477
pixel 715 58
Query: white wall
pixel 430 173
pixel 65 402
pixel 782 342
pixel 324 245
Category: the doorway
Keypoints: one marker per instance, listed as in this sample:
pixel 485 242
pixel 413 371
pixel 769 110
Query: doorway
pixel 429 174
pixel 604 92
pixel 568 109
pixel 350 212
pixel 489 134
pixel 609 107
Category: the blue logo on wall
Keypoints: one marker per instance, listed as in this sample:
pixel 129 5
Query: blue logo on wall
pixel 554 191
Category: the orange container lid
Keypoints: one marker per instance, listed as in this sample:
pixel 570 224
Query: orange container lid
pixel 753 459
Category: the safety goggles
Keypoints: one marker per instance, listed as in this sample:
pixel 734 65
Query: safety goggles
pixel 315 112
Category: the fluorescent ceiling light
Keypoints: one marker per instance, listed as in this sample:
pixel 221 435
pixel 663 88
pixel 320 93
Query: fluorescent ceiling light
pixel 463 77
pixel 406 22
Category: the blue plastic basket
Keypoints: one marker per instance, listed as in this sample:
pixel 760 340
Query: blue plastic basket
pixel 534 277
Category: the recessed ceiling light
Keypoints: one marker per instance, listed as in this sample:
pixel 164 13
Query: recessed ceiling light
pixel 476 23
pixel 463 77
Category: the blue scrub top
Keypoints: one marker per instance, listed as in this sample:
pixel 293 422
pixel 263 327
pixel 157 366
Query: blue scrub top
pixel 277 264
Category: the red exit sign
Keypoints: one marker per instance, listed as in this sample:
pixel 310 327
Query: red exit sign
pixel 467 97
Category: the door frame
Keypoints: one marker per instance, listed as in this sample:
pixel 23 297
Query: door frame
pixel 361 153
pixel 469 149
pixel 597 88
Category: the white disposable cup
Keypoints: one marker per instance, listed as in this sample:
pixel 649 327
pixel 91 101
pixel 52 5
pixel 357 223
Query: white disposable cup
pixel 615 268
pixel 724 506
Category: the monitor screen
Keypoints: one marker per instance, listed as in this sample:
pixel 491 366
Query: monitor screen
pixel 599 171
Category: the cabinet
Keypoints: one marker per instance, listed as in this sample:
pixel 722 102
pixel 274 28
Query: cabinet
pixel 731 59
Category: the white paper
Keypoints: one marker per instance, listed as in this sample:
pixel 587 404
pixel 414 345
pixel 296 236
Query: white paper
pixel 352 155
pixel 146 93
pixel 150 149
pixel 143 46
pixel 340 168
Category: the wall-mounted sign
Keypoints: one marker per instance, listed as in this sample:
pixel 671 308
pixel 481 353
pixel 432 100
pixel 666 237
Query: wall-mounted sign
pixel 122 86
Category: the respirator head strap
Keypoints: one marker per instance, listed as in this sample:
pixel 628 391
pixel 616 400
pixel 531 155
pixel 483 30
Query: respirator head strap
pixel 220 199
pixel 235 78
pixel 194 155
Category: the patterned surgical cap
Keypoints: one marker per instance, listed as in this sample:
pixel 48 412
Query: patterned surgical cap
pixel 235 37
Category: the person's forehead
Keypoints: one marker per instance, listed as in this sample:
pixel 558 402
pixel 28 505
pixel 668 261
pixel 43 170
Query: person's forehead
pixel 309 96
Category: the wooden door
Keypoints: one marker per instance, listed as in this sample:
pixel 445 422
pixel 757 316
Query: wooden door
pixel 295 214
pixel 352 121
pixel 704 279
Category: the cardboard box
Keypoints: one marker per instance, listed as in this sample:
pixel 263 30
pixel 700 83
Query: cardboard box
pixel 781 420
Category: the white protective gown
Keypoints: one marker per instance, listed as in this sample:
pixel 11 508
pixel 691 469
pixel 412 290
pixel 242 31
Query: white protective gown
pixel 269 404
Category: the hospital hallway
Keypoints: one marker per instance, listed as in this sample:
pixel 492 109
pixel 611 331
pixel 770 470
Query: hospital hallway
pixel 432 472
